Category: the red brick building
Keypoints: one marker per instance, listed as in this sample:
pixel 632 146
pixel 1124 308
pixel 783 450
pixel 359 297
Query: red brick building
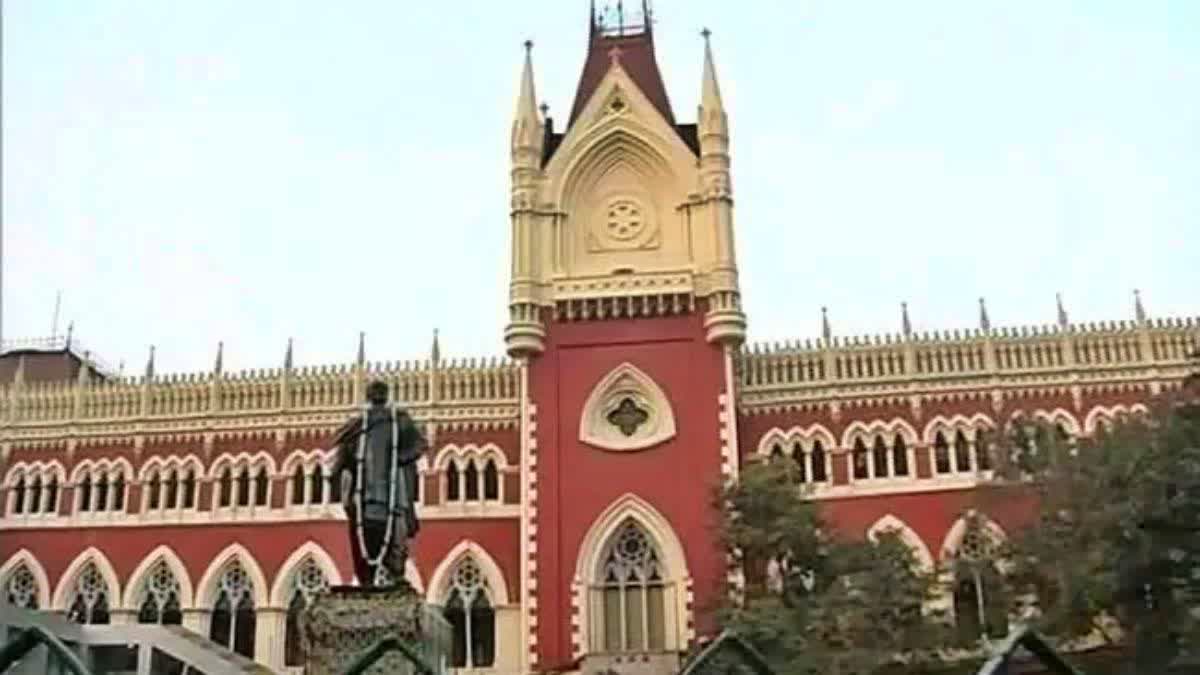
pixel 566 499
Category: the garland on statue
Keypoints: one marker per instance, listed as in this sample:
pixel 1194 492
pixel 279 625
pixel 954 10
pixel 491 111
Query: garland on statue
pixel 376 562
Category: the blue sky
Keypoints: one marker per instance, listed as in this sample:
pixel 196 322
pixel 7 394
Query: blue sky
pixel 202 170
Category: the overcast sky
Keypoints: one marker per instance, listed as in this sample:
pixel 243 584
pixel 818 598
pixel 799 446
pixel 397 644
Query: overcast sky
pixel 202 170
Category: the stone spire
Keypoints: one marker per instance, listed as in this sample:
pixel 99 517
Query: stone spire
pixel 905 323
pixel 219 364
pixel 826 330
pixel 1139 310
pixel 712 115
pixel 527 122
pixel 362 349
pixel 435 352
pixel 1063 319
pixel 150 365
pixel 287 357
pixel 985 323
pixel 70 334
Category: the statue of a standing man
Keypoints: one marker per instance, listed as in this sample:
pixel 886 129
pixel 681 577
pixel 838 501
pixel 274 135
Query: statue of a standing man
pixel 379 449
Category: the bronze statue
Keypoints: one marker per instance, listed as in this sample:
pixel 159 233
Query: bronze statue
pixel 379 450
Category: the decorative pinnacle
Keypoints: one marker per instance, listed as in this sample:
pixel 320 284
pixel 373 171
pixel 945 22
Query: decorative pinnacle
pixel 826 330
pixel 362 347
pixel 435 353
pixel 985 323
pixel 1063 320
pixel 219 364
pixel 287 357
pixel 71 333
pixel 528 45
pixel 706 33
pixel 1139 309
pixel 906 324
pixel 150 364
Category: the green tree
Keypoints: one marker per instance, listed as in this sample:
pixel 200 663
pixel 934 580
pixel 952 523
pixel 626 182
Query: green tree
pixel 1114 550
pixel 815 601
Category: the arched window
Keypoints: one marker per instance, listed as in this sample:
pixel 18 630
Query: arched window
pixel 19 497
pixel 243 487
pixel 51 505
pixel 102 493
pixel 154 487
pixel 233 617
pixel 118 493
pixel 472 618
pixel 860 460
pixel 941 453
pixel 977 614
pixel 21 589
pixel 298 485
pixel 189 489
pixel 491 481
pixel 452 486
pixel 172 484
pixel 160 597
pixel 318 485
pixel 85 494
pixel 89 603
pixel 35 495
pixel 776 451
pixel 226 485
pixel 335 488
pixel 879 456
pixel 632 593
pixel 471 478
pixel 818 463
pixel 307 581
pixel 983 450
pixel 261 486
pixel 962 453
pixel 899 456
pixel 800 459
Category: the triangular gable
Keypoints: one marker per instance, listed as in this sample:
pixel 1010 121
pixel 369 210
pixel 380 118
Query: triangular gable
pixel 637 56
pixel 728 654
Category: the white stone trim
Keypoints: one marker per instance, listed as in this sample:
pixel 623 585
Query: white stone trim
pixel 42 467
pixel 1057 416
pixel 626 381
pixel 206 589
pixel 103 565
pixel 167 554
pixel 103 466
pixel 674 559
pixel 1110 414
pixel 24 557
pixel 958 530
pixel 309 549
pixel 890 523
pixel 955 423
pixel 236 461
pixel 439 581
pixel 867 430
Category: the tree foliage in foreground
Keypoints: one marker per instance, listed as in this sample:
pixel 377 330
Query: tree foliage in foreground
pixel 814 601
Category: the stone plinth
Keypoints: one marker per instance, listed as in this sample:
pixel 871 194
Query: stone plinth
pixel 340 627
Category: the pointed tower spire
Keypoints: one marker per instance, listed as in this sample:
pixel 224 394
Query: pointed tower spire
pixel 905 323
pixel 219 364
pixel 435 352
pixel 1139 310
pixel 150 365
pixel 712 117
pixel 287 357
pixel 984 322
pixel 362 348
pixel 1063 319
pixel 826 330
pixel 526 130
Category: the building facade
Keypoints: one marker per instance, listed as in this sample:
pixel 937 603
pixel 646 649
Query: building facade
pixel 567 498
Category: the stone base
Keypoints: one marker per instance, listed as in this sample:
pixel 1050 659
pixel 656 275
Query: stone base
pixel 341 626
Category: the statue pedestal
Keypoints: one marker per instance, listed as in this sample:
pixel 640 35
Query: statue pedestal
pixel 390 629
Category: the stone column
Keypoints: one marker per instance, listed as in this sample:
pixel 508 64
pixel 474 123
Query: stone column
pixel 270 627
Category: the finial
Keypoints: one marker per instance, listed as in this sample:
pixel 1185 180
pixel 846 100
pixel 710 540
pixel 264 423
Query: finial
pixel 70 334
pixel 287 357
pixel 435 353
pixel 905 324
pixel 1063 320
pixel 984 322
pixel 362 347
pixel 150 365
pixel 529 45
pixel 706 33
pixel 545 109
pixel 219 364
pixel 826 331
pixel 1139 310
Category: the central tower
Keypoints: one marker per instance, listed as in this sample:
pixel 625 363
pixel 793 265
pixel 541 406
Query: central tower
pixel 624 305
pixel 625 207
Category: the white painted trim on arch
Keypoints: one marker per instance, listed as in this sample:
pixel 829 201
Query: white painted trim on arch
pixel 24 557
pixel 103 565
pixel 439 581
pixel 206 589
pixel 309 549
pixel 166 554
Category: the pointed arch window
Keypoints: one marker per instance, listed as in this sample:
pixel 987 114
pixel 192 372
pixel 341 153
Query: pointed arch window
pixel 941 453
pixel 102 493
pixel 89 602
pixel 85 494
pixel 21 588
pixel 776 451
pixel 35 495
pixel 801 459
pixel 159 594
pixel 262 486
pixel 243 487
pixel 472 618
pixel 298 485
pixel 859 457
pixel 189 489
pixel 233 617
pixel 631 594
pixel 983 450
pixel 818 463
pixel 19 497
pixel 491 481
pixel 977 613
pixel 879 458
pixel 335 488
pixel 962 452
pixel 453 489
pixel 154 487
pixel 307 582
pixel 118 493
pixel 226 487
pixel 172 488
pixel 471 481
pixel 318 485
pixel 899 456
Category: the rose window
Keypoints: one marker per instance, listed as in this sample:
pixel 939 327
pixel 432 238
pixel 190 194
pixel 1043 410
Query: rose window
pixel 625 220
